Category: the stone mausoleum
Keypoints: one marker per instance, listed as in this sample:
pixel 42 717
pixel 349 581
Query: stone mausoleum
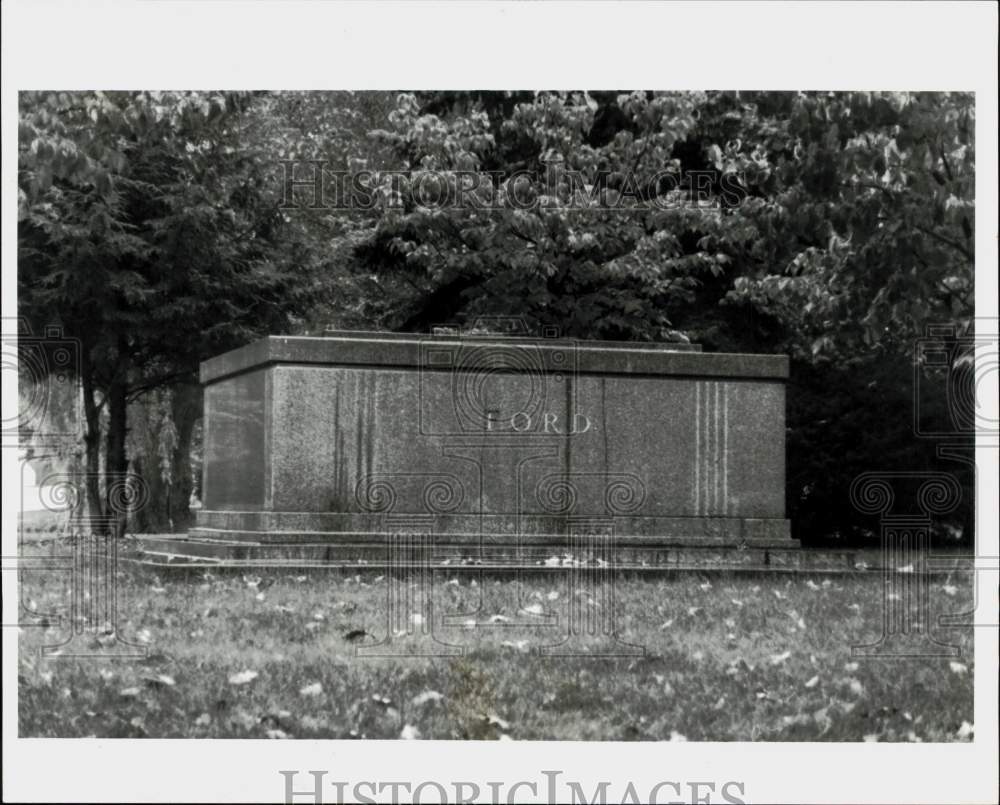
pixel 490 444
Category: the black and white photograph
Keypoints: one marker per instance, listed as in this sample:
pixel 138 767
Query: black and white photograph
pixel 566 430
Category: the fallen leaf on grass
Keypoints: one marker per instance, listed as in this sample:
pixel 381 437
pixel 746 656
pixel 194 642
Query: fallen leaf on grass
pixel 129 693
pixel 425 697
pixel 494 720
pixel 959 668
pixel 822 719
pixel 965 731
pixel 106 639
pixel 799 621
pixel 812 682
pixel 277 734
pixel 533 609
pixel 499 619
pixel 520 645
pixel 676 737
pixel 856 687
pixel 950 589
pixel 871 738
pixel 739 666
pixel 203 720
pixel 243 677
pixel 311 690
pixel 666 624
pixel 812 585
pixel 409 733
pixel 777 659
pixel 851 667
pixel 161 680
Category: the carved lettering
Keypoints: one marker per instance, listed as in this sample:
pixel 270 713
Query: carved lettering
pixel 522 422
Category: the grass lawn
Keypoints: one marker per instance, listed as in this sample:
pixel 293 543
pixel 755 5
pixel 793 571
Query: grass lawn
pixel 727 658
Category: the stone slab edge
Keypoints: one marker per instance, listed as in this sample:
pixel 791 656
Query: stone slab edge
pixel 409 351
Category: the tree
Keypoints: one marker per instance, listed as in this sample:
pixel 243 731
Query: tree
pixel 149 229
pixel 559 236
pixel 862 214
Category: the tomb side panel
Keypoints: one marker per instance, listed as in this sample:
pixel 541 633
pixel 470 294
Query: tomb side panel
pixel 700 447
pixel 336 427
pixel 756 449
pixel 235 460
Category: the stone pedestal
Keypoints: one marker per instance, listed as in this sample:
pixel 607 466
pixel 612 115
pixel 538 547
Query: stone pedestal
pixel 318 440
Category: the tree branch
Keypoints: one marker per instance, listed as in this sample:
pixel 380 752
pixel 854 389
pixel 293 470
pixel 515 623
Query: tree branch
pixel 947 241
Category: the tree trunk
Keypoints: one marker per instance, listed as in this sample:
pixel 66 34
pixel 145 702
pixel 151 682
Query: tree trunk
pixel 186 410
pixel 116 460
pixel 91 439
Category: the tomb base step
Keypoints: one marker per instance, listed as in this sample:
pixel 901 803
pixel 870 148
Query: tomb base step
pixel 286 527
pixel 532 553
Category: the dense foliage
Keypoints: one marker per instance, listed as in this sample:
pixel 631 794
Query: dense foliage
pixel 835 227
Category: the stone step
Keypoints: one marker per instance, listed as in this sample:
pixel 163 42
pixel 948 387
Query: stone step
pixel 492 555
